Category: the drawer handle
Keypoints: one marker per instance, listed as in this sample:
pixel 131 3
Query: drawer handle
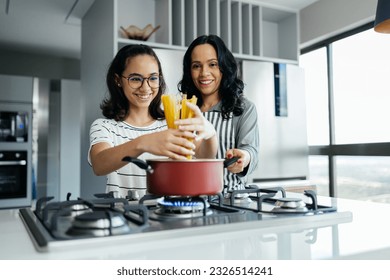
pixel 13 162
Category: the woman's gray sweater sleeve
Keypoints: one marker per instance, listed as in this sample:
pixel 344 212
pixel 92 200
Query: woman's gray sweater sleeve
pixel 247 134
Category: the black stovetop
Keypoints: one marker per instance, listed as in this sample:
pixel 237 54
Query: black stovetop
pixel 105 215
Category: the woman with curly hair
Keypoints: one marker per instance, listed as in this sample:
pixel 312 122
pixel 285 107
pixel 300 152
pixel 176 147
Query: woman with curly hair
pixel 210 72
pixel 134 123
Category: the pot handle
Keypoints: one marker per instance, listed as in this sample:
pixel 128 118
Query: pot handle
pixel 140 163
pixel 229 161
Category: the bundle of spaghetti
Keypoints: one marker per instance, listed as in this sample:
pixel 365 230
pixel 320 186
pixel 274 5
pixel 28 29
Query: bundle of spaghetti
pixel 185 112
pixel 173 111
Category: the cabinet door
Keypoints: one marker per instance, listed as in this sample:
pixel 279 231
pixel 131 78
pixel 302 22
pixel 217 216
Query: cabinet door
pixel 16 88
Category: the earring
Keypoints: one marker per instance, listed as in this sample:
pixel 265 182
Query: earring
pixel 119 85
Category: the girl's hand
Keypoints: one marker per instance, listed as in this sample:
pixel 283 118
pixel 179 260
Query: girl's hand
pixel 172 143
pixel 242 162
pixel 197 124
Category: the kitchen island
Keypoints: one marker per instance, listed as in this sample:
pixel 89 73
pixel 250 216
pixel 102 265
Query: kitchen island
pixel 359 230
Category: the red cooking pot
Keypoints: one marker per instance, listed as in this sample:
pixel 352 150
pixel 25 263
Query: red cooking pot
pixel 168 177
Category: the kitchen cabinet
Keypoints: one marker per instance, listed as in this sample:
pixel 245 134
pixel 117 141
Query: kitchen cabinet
pixel 16 110
pixel 16 89
pixel 250 29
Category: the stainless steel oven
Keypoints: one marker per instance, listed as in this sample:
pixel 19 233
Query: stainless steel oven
pixel 13 174
pixel 15 155
pixel 15 183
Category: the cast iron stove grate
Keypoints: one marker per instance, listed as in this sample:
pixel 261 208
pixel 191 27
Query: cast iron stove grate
pixel 281 204
pixel 74 219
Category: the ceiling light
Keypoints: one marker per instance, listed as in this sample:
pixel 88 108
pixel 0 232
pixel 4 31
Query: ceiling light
pixel 382 19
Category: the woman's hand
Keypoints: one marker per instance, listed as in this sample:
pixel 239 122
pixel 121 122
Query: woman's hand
pixel 203 132
pixel 197 124
pixel 241 163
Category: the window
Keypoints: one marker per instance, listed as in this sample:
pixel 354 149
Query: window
pixel 361 88
pixel 318 170
pixel 363 178
pixel 348 122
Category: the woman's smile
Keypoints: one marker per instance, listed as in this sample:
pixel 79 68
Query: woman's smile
pixel 205 82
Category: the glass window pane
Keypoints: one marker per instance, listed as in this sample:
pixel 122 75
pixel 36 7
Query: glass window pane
pixel 363 178
pixel 316 88
pixel 361 88
pixel 319 175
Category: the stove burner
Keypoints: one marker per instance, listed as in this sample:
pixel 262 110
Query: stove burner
pixel 290 204
pixel 182 207
pixel 99 223
pixel 268 200
pixel 79 209
pixel 238 199
pixel 181 204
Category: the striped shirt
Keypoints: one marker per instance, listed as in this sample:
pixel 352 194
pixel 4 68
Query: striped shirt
pixel 129 177
pixel 240 132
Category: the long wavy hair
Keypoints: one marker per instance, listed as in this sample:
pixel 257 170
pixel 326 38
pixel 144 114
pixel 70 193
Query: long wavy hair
pixel 116 106
pixel 231 87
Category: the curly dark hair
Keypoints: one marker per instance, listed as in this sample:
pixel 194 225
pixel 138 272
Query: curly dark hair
pixel 116 105
pixel 231 87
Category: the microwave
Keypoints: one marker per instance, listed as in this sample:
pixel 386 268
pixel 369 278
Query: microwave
pixel 14 126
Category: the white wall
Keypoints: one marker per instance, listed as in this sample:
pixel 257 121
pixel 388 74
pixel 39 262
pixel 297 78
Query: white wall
pixel 327 18
pixel 171 64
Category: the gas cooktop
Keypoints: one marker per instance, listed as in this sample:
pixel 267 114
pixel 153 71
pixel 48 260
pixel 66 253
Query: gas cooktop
pixel 106 218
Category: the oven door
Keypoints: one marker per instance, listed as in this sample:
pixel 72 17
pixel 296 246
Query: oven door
pixel 14 180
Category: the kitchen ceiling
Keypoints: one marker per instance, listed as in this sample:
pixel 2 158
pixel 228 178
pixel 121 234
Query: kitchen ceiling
pixel 53 27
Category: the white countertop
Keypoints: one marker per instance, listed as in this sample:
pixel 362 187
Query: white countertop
pixel 359 230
